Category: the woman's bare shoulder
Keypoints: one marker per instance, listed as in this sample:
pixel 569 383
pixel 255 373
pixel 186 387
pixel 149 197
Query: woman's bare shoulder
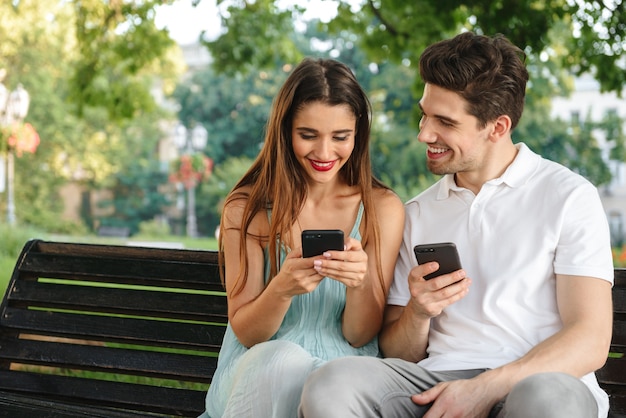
pixel 387 198
pixel 235 205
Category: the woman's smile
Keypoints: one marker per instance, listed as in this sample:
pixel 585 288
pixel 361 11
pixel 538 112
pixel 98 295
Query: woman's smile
pixel 322 165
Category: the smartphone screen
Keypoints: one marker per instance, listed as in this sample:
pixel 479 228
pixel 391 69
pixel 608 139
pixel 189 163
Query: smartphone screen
pixel 444 253
pixel 316 241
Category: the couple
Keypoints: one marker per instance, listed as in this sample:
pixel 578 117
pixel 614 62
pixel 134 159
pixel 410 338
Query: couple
pixel 518 332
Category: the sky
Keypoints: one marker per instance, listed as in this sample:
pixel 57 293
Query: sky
pixel 185 22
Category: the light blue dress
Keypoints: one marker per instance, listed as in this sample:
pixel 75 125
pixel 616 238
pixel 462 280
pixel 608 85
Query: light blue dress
pixel 267 379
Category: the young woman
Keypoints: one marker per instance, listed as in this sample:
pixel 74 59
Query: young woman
pixel 289 314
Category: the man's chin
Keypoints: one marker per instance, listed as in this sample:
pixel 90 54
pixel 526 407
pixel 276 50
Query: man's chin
pixel 438 169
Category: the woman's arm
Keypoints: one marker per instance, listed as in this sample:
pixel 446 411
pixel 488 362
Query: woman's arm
pixel 365 303
pixel 256 312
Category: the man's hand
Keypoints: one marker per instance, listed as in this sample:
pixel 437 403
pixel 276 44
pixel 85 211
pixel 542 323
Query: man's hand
pixel 430 297
pixel 467 398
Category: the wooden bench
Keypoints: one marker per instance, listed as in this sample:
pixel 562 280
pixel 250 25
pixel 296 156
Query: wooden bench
pixel 612 376
pixel 115 331
pixel 110 331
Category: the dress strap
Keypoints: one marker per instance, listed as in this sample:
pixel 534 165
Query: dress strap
pixel 357 223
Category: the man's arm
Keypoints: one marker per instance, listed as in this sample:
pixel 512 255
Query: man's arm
pixel 405 328
pixel 582 345
pixel 579 348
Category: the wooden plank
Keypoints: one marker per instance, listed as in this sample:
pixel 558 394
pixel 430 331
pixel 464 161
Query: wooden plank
pixel 191 367
pixel 175 401
pixel 13 405
pixel 157 303
pixel 617 402
pixel 124 270
pixel 613 372
pixel 619 300
pixel 185 335
pixel 120 251
pixel 618 342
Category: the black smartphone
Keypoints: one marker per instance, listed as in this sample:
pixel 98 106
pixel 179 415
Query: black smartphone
pixel 316 241
pixel 444 253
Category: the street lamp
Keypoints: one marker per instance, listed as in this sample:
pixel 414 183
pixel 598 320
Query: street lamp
pixel 13 110
pixel 189 142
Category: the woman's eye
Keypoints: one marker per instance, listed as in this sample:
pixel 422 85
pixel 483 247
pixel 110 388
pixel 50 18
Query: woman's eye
pixel 340 138
pixel 307 136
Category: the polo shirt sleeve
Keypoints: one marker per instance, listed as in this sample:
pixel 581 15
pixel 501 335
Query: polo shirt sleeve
pixel 584 247
pixel 399 293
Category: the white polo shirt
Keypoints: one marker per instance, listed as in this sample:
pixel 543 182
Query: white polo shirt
pixel 537 220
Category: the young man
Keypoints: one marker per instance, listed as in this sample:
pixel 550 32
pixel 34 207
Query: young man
pixel 519 331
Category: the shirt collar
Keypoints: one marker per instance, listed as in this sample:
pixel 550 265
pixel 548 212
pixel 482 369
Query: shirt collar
pixel 517 173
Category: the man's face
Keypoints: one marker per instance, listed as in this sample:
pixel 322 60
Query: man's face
pixel 456 143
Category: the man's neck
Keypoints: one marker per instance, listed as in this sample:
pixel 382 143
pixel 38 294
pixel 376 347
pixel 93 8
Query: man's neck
pixel 494 165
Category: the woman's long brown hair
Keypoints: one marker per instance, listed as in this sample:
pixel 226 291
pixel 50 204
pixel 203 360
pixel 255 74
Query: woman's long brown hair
pixel 276 181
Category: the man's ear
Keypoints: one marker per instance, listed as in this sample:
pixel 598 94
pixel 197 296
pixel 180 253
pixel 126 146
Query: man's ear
pixel 501 128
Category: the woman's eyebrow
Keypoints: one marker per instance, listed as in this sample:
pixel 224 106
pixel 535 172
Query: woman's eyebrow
pixel 338 131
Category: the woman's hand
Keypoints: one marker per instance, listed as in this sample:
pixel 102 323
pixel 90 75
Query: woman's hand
pixel 348 267
pixel 297 276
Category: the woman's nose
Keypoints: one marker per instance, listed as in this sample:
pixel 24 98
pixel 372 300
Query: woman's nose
pixel 323 149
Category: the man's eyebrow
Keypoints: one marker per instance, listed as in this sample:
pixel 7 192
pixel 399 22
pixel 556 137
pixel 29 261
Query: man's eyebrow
pixel 440 117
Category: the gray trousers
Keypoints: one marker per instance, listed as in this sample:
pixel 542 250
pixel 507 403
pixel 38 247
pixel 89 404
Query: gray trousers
pixel 364 387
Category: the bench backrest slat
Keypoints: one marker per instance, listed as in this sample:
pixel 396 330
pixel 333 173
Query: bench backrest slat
pixel 105 359
pixel 124 269
pixel 109 393
pixel 138 301
pixel 191 336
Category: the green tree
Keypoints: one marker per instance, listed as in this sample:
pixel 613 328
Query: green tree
pixel 257 33
pixel 613 126
pixel 139 184
pixel 233 109
pixel 83 139
pixel 36 50
pixel 117 42
pixel 210 195
pixel 383 36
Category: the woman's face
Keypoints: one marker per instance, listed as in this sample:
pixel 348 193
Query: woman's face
pixel 323 139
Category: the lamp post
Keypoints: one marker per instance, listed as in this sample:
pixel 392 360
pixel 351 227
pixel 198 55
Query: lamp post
pixel 189 142
pixel 13 110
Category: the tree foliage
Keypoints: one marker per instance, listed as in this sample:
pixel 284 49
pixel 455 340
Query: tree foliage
pixel 81 115
pixel 398 30
pixel 117 41
pixel 560 37
pixel 90 64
